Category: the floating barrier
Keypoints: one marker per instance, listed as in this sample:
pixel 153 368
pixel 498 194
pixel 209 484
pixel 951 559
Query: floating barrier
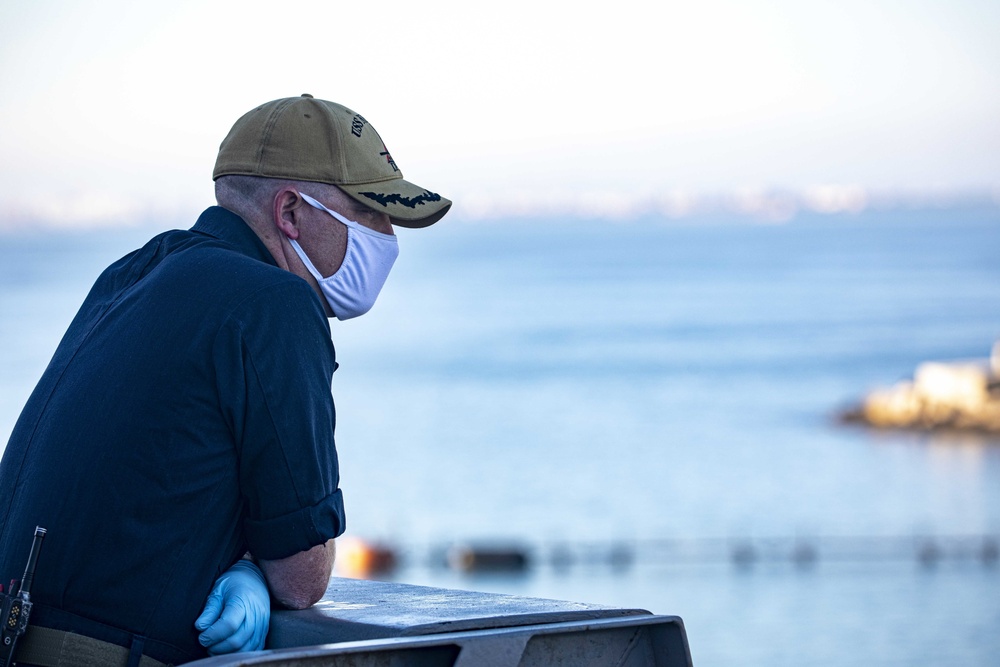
pixel 468 558
pixel 360 559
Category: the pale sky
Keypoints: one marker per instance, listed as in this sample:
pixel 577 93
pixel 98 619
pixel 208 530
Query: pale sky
pixel 114 110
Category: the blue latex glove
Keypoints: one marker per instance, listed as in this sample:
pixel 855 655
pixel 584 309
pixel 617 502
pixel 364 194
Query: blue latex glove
pixel 237 611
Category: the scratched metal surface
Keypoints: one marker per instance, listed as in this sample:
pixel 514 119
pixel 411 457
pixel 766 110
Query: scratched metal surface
pixel 354 610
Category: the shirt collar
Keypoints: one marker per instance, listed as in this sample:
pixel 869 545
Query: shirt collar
pixel 226 226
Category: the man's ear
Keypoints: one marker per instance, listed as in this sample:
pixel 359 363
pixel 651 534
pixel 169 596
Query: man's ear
pixel 287 206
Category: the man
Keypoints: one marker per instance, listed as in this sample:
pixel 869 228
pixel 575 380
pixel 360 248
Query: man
pixel 186 417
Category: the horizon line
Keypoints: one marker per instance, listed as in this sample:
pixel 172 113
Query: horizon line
pixel 771 205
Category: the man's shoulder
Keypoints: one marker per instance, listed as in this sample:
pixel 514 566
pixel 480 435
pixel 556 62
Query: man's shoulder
pixel 245 281
pixel 217 277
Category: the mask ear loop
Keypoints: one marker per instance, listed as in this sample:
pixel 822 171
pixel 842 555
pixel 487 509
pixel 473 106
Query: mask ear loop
pixel 350 223
pixel 305 260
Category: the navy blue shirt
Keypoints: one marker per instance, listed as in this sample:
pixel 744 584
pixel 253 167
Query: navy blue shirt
pixel 185 418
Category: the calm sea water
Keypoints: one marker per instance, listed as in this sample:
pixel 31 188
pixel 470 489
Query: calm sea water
pixel 664 391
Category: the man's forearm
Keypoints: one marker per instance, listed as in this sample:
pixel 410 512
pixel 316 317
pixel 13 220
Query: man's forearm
pixel 300 580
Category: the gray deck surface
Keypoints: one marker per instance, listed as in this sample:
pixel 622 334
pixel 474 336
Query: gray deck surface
pixel 355 610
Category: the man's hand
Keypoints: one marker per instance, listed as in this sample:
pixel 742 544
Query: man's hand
pixel 237 611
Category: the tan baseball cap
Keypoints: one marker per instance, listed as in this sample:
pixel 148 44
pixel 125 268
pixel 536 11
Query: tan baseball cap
pixel 306 139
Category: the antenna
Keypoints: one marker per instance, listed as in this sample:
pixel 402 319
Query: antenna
pixel 29 570
pixel 15 607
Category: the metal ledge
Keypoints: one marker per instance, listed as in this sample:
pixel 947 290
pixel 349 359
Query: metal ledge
pixel 368 623
pixel 638 641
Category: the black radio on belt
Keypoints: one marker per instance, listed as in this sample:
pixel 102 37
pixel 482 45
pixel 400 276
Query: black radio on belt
pixel 17 604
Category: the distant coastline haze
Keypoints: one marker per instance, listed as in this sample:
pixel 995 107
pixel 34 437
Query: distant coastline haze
pixel 112 112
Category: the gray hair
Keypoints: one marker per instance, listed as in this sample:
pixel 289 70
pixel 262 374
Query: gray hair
pixel 249 197
pixel 252 197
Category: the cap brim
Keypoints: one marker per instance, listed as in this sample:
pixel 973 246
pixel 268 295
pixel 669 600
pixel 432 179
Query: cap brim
pixel 407 205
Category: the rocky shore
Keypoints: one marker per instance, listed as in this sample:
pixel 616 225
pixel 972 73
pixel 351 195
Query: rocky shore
pixel 961 395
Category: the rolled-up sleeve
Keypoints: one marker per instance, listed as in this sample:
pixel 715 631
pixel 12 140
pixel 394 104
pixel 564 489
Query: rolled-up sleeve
pixel 284 535
pixel 278 397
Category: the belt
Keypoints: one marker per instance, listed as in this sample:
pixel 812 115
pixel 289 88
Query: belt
pixel 46 647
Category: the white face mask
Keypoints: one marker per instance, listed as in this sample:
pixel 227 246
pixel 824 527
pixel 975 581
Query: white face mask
pixel 352 290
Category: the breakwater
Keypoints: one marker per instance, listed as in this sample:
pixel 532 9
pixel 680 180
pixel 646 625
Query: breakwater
pixel 960 395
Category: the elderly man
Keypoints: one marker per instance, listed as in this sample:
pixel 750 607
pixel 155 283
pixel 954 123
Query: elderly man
pixel 183 433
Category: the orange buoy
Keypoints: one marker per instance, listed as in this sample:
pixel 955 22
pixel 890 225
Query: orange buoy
pixel 358 559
